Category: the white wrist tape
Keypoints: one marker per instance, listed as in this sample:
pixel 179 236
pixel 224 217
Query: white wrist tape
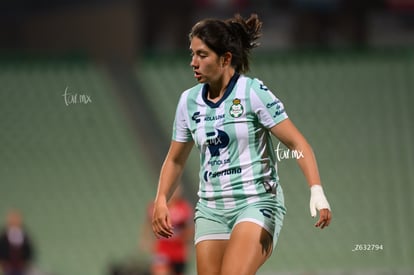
pixel 318 200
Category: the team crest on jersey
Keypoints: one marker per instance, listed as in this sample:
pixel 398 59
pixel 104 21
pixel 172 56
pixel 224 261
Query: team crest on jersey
pixel 236 110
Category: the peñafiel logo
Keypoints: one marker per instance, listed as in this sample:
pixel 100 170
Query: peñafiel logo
pixel 217 140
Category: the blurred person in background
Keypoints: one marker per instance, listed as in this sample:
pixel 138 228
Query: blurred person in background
pixel 172 17
pixel 16 247
pixel 170 256
pixel 328 23
pixel 230 117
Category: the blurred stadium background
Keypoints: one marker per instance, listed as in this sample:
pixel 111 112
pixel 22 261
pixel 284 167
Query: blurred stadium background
pixel 83 168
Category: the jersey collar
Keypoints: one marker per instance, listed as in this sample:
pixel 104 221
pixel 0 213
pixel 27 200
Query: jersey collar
pixel 229 88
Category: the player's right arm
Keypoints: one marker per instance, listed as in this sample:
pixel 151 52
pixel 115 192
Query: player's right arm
pixel 171 171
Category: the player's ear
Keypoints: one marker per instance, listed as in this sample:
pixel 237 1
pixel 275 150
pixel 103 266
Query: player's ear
pixel 226 59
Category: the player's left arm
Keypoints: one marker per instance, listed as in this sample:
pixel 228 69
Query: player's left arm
pixel 289 135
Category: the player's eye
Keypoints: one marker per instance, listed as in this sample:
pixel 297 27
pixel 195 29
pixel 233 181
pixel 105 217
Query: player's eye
pixel 202 54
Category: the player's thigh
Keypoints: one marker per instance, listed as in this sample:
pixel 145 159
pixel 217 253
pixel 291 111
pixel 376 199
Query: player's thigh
pixel 209 255
pixel 248 248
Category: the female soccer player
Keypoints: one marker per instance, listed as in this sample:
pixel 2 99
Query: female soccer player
pixel 230 117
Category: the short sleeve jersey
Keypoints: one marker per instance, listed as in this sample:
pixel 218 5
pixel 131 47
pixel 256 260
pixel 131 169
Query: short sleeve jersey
pixel 237 158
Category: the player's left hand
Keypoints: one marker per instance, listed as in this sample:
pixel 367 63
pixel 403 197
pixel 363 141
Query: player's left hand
pixel 319 202
pixel 325 217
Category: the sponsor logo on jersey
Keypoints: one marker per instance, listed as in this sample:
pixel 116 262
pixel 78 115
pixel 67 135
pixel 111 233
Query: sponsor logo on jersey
pixel 263 87
pixel 196 116
pixel 230 171
pixel 279 110
pixel 278 113
pixel 217 140
pixel 236 110
pixel 271 104
pixel 216 117
pixel 218 162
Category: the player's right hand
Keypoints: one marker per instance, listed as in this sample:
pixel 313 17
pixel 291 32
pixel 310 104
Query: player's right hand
pixel 161 223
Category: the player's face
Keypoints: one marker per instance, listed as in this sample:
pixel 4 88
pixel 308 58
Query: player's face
pixel 205 62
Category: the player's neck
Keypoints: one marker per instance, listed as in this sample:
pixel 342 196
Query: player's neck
pixel 217 89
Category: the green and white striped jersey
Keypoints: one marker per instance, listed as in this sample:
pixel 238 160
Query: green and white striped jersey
pixel 237 158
